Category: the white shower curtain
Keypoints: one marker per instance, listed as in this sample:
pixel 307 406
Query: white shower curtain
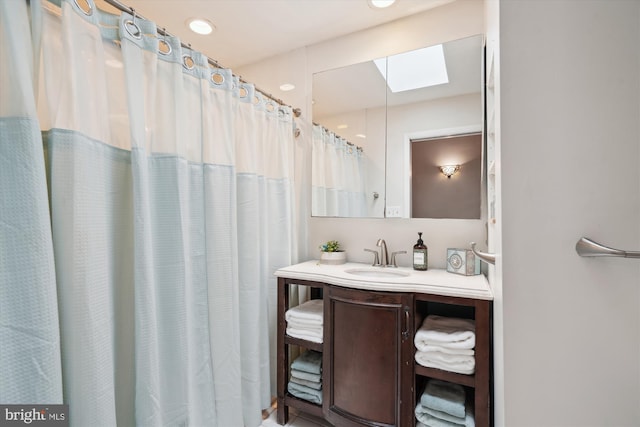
pixel 171 196
pixel 337 176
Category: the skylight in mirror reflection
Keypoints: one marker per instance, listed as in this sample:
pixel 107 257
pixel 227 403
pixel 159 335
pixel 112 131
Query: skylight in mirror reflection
pixel 414 70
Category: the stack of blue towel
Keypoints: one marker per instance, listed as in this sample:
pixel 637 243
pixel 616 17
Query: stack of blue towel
pixel 443 404
pixel 306 377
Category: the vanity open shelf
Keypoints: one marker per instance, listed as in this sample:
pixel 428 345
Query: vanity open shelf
pixel 369 375
pixel 302 343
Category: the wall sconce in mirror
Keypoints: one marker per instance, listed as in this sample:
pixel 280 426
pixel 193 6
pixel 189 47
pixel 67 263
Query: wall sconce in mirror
pixel 449 170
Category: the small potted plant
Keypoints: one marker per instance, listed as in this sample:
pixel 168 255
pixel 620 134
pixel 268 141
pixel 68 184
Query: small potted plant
pixel 330 253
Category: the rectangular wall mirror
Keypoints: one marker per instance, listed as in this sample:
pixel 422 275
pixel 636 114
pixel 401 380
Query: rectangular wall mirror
pixel 368 116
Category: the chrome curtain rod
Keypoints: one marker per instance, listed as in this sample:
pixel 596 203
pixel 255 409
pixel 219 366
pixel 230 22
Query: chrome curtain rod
pixel 348 143
pixel 162 31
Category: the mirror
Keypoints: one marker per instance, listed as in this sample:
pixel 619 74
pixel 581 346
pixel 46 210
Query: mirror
pixel 362 105
pixel 348 114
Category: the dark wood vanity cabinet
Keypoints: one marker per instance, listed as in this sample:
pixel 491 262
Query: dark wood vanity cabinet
pixel 369 374
pixel 369 338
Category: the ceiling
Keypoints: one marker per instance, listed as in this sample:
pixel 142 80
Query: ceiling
pixel 248 31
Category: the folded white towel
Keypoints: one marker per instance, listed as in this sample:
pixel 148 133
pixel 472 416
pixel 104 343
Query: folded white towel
pixel 303 324
pixel 447 362
pixel 315 329
pixel 310 312
pixel 457 351
pixel 305 334
pixel 450 332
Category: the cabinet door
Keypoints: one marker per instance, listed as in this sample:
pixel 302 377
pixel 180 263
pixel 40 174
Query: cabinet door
pixel 368 358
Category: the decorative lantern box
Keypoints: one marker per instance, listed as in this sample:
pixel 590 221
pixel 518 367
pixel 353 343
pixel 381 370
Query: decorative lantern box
pixel 462 261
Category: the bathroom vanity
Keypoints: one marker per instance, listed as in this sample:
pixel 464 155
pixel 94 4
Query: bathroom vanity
pixel 371 314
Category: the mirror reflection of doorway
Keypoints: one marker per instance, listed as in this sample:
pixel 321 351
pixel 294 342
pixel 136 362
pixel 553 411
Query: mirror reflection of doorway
pixel 433 194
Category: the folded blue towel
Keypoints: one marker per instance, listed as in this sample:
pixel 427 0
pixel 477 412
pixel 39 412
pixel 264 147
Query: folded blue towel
pixel 445 397
pixel 306 376
pixel 316 385
pixel 306 393
pixel 430 421
pixel 432 418
pixel 310 361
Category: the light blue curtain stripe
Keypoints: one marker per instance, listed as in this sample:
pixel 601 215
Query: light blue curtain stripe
pixel 224 295
pixel 251 254
pixel 174 385
pixel 91 207
pixel 30 367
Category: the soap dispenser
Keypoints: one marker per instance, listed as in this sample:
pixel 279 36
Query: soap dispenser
pixel 420 254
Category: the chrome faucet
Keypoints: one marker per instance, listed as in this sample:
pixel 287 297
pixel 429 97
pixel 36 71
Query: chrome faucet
pixel 376 258
pixel 383 259
pixel 393 258
pixel 384 255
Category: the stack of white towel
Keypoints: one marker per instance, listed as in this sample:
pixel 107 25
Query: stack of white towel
pixel 447 343
pixel 443 404
pixel 306 377
pixel 305 321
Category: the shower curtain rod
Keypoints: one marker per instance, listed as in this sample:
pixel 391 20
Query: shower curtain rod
pixel 348 143
pixel 124 8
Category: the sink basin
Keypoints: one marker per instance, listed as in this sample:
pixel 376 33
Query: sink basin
pixel 377 272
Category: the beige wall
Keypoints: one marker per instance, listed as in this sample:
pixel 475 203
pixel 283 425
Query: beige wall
pixel 570 107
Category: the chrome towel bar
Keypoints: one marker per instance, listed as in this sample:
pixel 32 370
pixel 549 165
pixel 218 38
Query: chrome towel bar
pixel 484 256
pixel 588 248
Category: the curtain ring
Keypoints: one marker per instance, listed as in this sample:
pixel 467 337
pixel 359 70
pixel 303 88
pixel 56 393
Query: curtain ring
pixel 270 106
pixel 217 78
pixel 163 47
pixel 187 62
pixel 87 9
pixel 136 33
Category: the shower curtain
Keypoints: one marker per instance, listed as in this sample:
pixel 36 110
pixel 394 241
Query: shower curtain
pixel 140 289
pixel 337 176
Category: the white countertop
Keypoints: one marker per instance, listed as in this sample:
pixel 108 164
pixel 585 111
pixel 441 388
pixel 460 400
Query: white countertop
pixel 437 282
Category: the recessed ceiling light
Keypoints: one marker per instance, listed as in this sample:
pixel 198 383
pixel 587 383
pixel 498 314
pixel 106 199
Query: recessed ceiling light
pixel 286 87
pixel 342 126
pixel 361 135
pixel 200 26
pixel 381 4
